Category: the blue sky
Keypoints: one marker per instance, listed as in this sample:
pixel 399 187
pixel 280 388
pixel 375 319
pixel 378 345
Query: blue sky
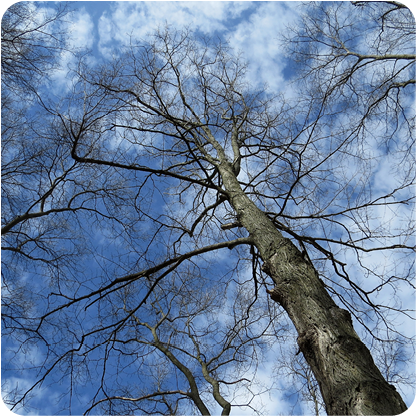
pixel 250 27
pixel 105 27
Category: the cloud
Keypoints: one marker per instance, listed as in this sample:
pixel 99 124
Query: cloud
pixel 252 28
pixel 257 38
pixel 269 400
pixel 137 19
pixel 81 36
pixel 81 30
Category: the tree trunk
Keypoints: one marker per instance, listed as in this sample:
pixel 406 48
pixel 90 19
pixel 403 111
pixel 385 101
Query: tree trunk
pixel 349 380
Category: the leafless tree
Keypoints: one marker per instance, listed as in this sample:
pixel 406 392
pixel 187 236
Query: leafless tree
pixel 188 357
pixel 31 41
pixel 172 194
pixel 293 368
pixel 359 58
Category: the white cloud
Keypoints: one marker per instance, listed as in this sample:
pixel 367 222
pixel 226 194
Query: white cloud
pixel 258 39
pixel 137 19
pixel 257 36
pixel 270 398
pixel 81 36
pixel 81 30
pixel 106 33
pixel 43 395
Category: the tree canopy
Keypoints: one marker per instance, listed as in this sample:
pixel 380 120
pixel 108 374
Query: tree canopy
pixel 143 205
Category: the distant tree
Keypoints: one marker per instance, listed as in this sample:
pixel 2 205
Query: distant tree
pixel 166 195
pixel 31 41
pixel 294 368
pixel 359 58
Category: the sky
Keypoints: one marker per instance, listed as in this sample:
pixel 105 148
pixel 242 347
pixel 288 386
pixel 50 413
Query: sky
pixel 104 27
pixel 250 27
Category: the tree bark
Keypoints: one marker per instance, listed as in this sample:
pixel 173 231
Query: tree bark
pixel 349 380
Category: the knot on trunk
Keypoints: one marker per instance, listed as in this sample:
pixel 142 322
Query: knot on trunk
pixel 275 295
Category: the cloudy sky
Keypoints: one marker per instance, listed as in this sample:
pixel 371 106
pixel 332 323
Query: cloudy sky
pixel 253 28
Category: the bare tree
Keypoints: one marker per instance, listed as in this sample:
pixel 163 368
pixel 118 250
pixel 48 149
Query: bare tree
pixel 31 41
pixel 302 383
pixel 184 336
pixel 183 191
pixel 359 57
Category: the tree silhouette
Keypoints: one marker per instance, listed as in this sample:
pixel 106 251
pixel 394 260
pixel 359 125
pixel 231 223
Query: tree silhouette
pixel 152 210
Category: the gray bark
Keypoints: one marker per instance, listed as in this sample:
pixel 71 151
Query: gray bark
pixel 349 380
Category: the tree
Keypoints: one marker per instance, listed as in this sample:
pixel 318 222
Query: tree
pixel 361 59
pixel 186 340
pixel 303 382
pixel 153 167
pixel 31 40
